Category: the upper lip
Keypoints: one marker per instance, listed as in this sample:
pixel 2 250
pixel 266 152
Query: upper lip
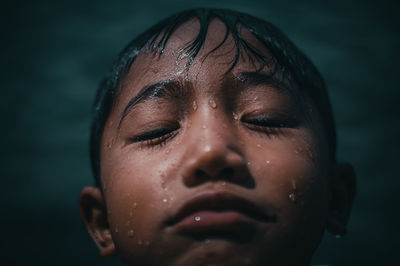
pixel 219 201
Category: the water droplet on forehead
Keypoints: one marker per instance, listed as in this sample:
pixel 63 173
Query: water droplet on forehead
pixel 203 126
pixel 267 161
pixel 258 145
pixel 182 55
pixel 197 218
pixel 165 200
pixel 194 105
pixel 298 150
pixel 212 103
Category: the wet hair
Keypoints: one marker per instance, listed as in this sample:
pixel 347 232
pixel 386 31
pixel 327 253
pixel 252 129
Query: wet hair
pixel 286 60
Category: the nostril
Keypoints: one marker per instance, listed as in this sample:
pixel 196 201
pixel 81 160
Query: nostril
pixel 200 174
pixel 227 173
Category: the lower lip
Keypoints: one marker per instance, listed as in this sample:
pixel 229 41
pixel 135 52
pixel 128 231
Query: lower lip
pixel 204 221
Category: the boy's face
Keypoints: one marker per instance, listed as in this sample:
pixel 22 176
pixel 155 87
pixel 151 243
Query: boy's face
pixel 201 167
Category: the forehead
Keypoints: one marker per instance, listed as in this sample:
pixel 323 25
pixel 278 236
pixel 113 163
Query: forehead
pixel 209 64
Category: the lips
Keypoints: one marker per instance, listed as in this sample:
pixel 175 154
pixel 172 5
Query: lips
pixel 212 212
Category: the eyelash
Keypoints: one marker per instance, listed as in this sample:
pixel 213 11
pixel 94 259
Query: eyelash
pixel 265 125
pixel 161 136
pixel 156 137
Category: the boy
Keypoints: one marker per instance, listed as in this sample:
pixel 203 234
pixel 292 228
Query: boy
pixel 213 143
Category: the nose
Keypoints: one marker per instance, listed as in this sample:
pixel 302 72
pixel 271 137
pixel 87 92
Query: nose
pixel 213 155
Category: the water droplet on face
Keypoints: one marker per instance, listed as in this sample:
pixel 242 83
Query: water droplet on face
pixel 203 126
pixel 131 233
pixel 235 116
pixel 267 161
pixel 255 99
pixel 224 183
pixel 298 150
pixel 258 145
pixel 292 197
pixel 212 103
pixel 182 55
pixel 194 105
pixel 197 218
pixel 248 163
pixel 165 200
pixel 135 205
pixel 109 145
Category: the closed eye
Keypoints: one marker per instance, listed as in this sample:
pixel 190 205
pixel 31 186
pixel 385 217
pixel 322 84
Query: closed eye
pixel 265 122
pixel 155 137
pixel 273 125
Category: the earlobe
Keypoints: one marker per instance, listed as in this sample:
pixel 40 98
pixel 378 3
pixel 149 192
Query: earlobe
pixel 343 189
pixel 94 215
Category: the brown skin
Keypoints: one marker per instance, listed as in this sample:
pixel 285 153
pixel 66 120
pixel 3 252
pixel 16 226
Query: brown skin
pixel 213 146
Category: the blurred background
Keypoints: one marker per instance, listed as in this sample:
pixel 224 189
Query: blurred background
pixel 54 53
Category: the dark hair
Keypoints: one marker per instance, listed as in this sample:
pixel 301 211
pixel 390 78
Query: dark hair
pixel 287 60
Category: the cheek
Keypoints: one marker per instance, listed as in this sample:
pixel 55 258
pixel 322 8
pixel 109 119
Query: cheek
pixel 135 199
pixel 290 177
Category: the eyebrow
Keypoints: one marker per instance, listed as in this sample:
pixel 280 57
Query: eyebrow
pixel 163 89
pixel 260 78
pixel 172 88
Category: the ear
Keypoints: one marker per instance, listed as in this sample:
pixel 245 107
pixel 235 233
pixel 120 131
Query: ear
pixel 94 215
pixel 343 190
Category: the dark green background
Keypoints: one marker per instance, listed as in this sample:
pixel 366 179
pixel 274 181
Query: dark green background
pixel 55 53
